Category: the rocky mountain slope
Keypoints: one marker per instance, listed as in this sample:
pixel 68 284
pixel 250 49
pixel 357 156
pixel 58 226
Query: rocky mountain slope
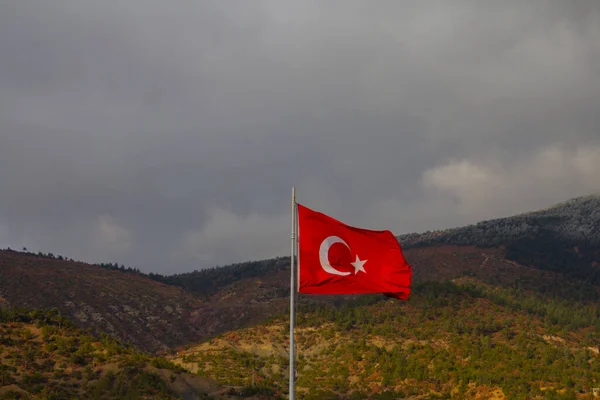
pixel 151 315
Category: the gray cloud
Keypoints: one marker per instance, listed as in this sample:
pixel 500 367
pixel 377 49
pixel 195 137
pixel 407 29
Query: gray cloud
pixel 168 137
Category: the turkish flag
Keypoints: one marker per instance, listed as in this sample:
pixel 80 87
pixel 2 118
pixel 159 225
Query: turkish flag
pixel 334 258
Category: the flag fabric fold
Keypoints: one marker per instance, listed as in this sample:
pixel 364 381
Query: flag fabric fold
pixel 335 258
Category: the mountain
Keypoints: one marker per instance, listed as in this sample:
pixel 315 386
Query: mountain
pixel 492 303
pixel 507 308
pixel 151 315
pixel 555 250
pixel 576 220
pixel 564 238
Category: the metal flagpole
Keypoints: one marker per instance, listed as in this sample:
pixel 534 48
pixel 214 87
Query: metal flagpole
pixel 292 295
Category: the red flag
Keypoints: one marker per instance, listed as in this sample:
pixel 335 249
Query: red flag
pixel 334 258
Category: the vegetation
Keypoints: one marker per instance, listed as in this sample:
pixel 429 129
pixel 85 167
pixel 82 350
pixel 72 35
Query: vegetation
pixel 574 220
pixel 52 256
pixel 203 282
pixel 564 238
pixel 43 355
pixel 452 340
pixel 477 325
pixel 209 281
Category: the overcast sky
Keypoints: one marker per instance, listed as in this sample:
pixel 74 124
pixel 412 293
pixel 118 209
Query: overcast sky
pixel 167 135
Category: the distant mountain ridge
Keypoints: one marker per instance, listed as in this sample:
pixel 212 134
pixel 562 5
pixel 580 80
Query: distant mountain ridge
pixel 564 238
pixel 576 220
pixel 553 251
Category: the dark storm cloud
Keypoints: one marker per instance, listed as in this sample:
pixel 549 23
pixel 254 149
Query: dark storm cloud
pixel 168 136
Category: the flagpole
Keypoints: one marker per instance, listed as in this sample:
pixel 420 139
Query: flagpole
pixel 292 295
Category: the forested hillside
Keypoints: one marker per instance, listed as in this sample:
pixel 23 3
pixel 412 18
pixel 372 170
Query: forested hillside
pixel 564 238
pixel 573 221
pixel 43 356
pixel 538 251
pixel 507 308
pixel 208 281
pixel 462 339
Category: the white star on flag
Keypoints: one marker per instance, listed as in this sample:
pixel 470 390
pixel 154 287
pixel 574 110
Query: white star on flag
pixel 358 265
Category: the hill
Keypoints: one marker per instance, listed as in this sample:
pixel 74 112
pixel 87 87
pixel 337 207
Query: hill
pixel 492 303
pixel 42 355
pixel 151 315
pixel 552 251
pixel 507 308
pixel 575 220
pixel 564 238
pixel 460 339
